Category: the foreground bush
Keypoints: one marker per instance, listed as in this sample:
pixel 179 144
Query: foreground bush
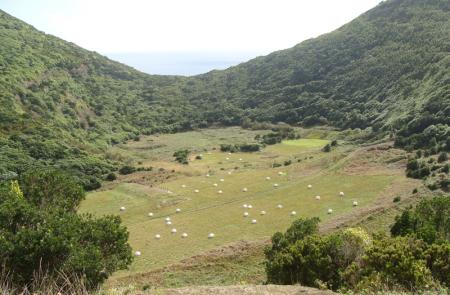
pixel 416 257
pixel 40 231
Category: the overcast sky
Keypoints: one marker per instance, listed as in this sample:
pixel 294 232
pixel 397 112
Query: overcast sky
pixel 149 34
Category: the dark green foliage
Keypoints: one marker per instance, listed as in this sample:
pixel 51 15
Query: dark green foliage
pixel 429 220
pixel 391 263
pixel 181 156
pixel 334 143
pixel 416 258
pixel 245 148
pixel 397 199
pixel 127 169
pixel 417 169
pixel 111 176
pixel 228 148
pixel 443 157
pixel 51 189
pixel 327 148
pixel 302 256
pixel 387 69
pixel 287 162
pixel 248 148
pixel 41 231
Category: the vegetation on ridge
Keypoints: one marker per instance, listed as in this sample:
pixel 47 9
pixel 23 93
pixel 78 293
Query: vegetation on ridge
pixel 64 106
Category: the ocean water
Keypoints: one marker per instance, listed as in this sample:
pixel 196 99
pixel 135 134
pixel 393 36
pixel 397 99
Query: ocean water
pixel 182 63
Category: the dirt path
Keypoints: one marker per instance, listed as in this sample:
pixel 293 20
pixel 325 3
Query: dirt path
pixel 243 290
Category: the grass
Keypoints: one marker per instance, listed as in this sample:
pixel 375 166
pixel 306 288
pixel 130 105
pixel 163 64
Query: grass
pixel 208 211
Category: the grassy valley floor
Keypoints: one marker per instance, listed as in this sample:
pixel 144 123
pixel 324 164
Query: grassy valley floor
pixel 371 175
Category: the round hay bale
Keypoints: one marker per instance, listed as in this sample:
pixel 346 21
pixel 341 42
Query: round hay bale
pixel 263 212
pixel 279 206
pixel 253 221
pixel 293 213
pixel 211 235
pixel 157 236
pixel 245 214
pixel 317 197
pixel 244 189
pixel 184 235
pixel 330 211
pixel 178 210
pixel 150 214
pixel 122 208
pixel 355 203
pixel 137 253
pixel 173 230
pixel 309 186
pixel 341 194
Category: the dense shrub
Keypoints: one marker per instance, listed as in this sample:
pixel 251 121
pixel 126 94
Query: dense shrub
pixel 429 220
pixel 327 148
pixel 127 169
pixel 181 156
pixel 111 176
pixel 41 231
pixel 416 257
pixel 245 148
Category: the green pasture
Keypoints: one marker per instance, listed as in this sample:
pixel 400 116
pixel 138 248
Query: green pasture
pixel 208 211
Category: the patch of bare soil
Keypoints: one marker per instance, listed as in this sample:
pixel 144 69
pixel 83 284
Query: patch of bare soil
pixel 148 178
pixel 245 290
pixel 376 159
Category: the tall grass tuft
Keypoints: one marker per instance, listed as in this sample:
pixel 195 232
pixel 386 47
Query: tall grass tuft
pixel 44 283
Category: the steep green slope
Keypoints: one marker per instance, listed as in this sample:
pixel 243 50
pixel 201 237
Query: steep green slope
pixel 388 69
pixel 62 105
pixel 382 69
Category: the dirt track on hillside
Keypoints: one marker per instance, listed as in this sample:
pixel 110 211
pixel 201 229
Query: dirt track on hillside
pixel 243 290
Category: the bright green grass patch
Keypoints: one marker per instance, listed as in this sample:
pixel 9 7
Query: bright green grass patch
pixel 306 143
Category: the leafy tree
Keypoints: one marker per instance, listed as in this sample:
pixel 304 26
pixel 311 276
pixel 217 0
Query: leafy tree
pixel 127 169
pixel 181 156
pixel 429 220
pixel 41 231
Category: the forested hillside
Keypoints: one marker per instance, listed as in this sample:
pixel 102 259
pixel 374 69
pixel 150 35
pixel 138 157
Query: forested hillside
pixel 385 69
pixel 62 105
